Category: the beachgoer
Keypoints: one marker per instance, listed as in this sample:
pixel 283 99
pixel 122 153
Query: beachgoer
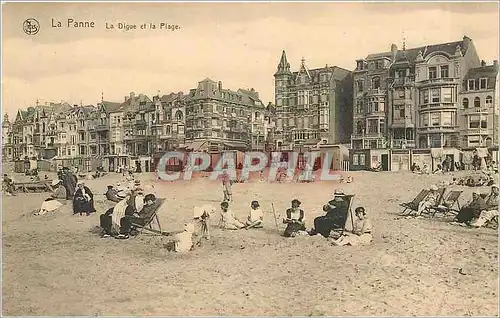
pixel 226 186
pixel 491 209
pixel 362 231
pixel 112 194
pixel 83 200
pixel 256 216
pixel 56 200
pixel 294 219
pixel 471 210
pixel 430 200
pixel 335 217
pixel 69 182
pixel 229 221
pixel 182 242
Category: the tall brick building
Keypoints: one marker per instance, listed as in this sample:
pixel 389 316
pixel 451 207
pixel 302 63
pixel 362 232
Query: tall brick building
pixel 312 106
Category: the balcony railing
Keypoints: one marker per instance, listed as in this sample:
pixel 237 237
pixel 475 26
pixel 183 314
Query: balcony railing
pixel 376 91
pixel 476 110
pixel 398 143
pixel 440 80
pixel 102 127
pixel 403 81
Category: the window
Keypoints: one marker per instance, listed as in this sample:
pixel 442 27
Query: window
pixel 381 126
pixel 447 118
pixel 470 85
pixel 362 159
pixel 400 73
pixel 376 83
pixel 425 96
pixel 360 86
pixel 465 103
pixel 447 95
pixel 435 95
pixel 401 93
pixel 432 72
pixel 474 121
pixel 474 140
pixel 444 71
pixel 372 126
pixel 484 122
pixel 489 101
pixel 355 159
pixel 483 83
pixel 359 127
pixel 435 119
pixel 360 65
pixel 402 112
pixel 359 106
pixel 381 106
pixel 425 120
pixel 477 102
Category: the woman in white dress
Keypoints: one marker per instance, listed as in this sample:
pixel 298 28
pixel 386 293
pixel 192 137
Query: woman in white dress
pixel 57 199
pixel 361 233
pixel 229 221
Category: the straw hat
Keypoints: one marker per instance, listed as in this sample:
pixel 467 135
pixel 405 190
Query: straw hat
pixel 56 182
pixel 338 192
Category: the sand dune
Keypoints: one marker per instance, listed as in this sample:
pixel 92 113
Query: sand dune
pixel 56 265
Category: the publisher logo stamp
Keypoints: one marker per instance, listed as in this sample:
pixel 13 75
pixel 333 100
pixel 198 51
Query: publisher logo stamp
pixel 31 26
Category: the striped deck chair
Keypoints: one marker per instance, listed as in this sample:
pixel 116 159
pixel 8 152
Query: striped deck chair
pixel 148 224
pixel 413 205
pixel 447 205
pixel 431 210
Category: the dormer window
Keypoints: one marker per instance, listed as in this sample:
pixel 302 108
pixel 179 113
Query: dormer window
pixel 483 83
pixel 470 85
pixel 360 65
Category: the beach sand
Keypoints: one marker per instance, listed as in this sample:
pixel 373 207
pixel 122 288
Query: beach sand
pixel 57 265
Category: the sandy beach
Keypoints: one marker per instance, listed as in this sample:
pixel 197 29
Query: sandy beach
pixel 57 265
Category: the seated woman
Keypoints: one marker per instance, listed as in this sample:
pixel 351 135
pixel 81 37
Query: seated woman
pixel 361 233
pixel 229 221
pixel 294 219
pixel 471 210
pixel 57 199
pixel 491 209
pixel 256 217
pixel 83 200
pixel 430 200
pixel 335 217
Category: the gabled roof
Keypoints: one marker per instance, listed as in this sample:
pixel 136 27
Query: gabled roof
pixel 109 106
pixel 338 73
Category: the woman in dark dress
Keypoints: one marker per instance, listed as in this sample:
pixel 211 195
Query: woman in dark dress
pixel 335 217
pixel 294 219
pixel 471 210
pixel 83 200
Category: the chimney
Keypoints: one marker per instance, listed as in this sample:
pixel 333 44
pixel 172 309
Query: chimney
pixel 495 63
pixel 394 51
pixel 132 95
pixel 219 86
pixel 483 63
pixel 125 98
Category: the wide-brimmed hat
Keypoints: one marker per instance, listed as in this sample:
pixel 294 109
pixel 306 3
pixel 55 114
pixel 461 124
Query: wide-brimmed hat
pixel 338 192
pixel 296 201
pixel 255 203
pixel 56 182
pixel 224 204
pixel 495 186
pixel 110 187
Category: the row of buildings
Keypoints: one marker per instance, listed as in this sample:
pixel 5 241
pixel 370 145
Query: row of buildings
pixel 432 96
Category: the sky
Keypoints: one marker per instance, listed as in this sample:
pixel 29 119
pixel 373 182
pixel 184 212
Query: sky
pixel 239 44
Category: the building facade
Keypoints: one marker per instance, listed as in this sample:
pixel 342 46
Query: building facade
pixel 312 106
pixel 478 112
pixel 220 119
pixel 414 96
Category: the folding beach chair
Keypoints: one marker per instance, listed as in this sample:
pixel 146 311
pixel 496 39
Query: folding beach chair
pixel 413 205
pixel 148 224
pixel 340 230
pixel 447 205
pixel 432 209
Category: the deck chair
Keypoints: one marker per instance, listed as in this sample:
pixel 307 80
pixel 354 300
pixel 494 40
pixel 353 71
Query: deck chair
pixel 432 209
pixel 340 230
pixel 413 205
pixel 148 224
pixel 447 205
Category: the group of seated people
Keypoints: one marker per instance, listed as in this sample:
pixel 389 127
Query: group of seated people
pixel 415 168
pixel 82 199
pixel 479 211
pixel 478 180
pixel 337 211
